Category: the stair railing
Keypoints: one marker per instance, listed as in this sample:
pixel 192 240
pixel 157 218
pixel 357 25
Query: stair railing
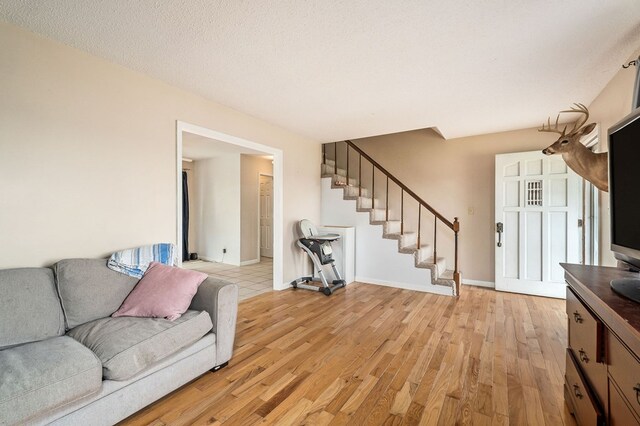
pixel 454 226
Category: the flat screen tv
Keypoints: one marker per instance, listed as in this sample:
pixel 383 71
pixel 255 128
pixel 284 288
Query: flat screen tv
pixel 624 193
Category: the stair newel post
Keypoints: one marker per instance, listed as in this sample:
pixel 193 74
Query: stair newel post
pixel 435 230
pixel 324 153
pixel 387 201
pixel 360 176
pixel 419 215
pixel 457 277
pixel 347 163
pixel 401 211
pixel 335 158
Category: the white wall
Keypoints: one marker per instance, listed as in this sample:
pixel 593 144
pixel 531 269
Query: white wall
pixel 88 155
pixel 217 211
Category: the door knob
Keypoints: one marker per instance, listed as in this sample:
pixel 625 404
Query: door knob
pixel 499 230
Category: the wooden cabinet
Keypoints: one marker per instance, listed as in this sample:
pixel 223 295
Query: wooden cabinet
pixel 602 379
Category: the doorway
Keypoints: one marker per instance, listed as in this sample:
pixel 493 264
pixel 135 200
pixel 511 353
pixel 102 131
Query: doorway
pixel 538 220
pixel 235 144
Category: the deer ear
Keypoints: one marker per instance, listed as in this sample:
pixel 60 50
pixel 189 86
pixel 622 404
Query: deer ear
pixel 587 129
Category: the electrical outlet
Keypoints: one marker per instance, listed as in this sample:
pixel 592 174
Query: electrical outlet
pixel 224 250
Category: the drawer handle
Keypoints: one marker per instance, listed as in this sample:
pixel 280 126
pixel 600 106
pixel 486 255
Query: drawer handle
pixel 576 391
pixel 637 389
pixel 577 317
pixel 583 356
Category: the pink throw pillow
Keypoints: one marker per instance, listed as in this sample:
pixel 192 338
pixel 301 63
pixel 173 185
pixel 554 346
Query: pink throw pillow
pixel 163 292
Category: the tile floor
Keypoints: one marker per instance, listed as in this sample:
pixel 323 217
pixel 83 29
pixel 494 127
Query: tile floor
pixel 251 279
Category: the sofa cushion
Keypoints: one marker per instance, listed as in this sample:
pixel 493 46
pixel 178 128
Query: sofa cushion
pixel 128 345
pixel 36 377
pixel 30 306
pixel 89 290
pixel 163 292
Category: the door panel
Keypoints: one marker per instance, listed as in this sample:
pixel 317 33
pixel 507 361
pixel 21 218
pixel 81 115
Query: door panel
pixel 538 200
pixel 512 245
pixel 533 246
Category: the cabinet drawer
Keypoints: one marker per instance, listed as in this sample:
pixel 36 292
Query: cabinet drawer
pixel 624 369
pixel 585 331
pixel 586 340
pixel 619 412
pixel 587 410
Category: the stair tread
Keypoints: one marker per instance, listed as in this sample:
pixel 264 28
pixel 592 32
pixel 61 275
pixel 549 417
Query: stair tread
pixel 429 261
pixel 447 275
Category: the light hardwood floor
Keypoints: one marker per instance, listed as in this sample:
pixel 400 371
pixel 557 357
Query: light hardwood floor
pixel 378 355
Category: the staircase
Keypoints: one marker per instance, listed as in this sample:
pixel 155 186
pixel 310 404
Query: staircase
pixel 348 175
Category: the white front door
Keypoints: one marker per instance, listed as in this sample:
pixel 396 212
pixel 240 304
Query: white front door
pixel 537 206
pixel 266 216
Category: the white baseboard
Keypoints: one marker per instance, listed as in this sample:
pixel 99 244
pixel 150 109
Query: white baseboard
pixel 250 262
pixel 478 283
pixel 427 288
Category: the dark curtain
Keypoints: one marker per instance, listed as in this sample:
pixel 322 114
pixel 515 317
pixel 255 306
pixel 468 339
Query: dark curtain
pixel 185 217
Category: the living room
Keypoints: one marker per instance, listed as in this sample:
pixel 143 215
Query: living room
pixel 95 94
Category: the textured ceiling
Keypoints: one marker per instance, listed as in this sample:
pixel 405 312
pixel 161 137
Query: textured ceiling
pixel 332 69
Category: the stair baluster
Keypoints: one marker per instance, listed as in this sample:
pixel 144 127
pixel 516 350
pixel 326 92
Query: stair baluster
pixel 402 211
pixel 347 165
pixel 435 231
pixel 373 185
pixel 324 154
pixel 387 201
pixel 359 175
pixel 419 216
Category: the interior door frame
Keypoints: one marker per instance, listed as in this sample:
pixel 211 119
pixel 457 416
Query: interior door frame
pixel 278 181
pixel 260 211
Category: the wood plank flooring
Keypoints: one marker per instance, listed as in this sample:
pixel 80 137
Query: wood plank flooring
pixel 377 355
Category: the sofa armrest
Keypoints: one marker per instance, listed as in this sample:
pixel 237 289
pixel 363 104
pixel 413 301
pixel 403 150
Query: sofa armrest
pixel 220 299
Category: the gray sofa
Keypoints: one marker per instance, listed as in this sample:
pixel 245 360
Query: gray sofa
pixel 64 360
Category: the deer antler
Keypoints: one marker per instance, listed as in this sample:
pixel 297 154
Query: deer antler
pixel 579 108
pixel 555 128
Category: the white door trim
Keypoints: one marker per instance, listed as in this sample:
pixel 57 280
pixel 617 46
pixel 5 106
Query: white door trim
pixel 278 180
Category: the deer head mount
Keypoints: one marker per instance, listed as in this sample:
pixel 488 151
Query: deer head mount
pixel 588 164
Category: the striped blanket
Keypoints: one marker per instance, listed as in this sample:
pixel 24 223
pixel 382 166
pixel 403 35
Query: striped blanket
pixel 135 261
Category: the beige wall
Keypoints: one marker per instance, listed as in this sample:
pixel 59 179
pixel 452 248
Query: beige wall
pixel 88 155
pixel 609 107
pixel 250 169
